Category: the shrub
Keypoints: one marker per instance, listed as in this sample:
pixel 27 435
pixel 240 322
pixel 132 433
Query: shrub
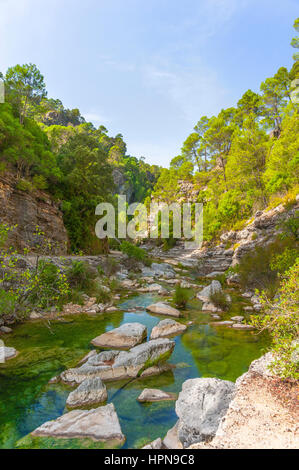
pixel 280 318
pixel 255 271
pixel 282 262
pixel 80 276
pixel 222 279
pixel 180 297
pixel 48 287
pixel 135 252
pixel 24 185
pixel 8 302
pixel 218 298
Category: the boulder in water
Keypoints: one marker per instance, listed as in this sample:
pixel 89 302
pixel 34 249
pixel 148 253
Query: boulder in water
pixel 125 337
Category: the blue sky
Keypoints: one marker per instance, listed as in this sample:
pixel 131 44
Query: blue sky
pixel 149 69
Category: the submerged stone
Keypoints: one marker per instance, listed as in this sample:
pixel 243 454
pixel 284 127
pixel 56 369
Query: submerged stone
pixel 152 395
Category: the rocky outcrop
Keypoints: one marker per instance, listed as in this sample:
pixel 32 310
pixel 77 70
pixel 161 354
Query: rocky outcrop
pixel 125 337
pixel 213 288
pixel 161 308
pixel 261 414
pixel 143 360
pixel 27 211
pixel 167 328
pixel 259 231
pixel 200 406
pixel 100 424
pixel 159 270
pixel 90 392
pixel 151 395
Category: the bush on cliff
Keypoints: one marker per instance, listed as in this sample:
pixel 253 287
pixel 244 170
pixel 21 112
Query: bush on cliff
pixel 280 318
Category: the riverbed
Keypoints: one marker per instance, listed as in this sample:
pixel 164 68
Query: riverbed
pixel 47 348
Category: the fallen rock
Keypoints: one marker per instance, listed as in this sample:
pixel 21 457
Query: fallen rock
pixel 200 406
pixel 167 328
pixel 125 337
pixel 163 309
pixel 152 395
pixel 238 319
pixel 171 440
pixel 241 326
pixel 155 445
pixel 35 316
pixel 210 307
pixel 90 392
pixel 5 329
pixel 248 309
pixel 7 353
pixel 143 360
pixel 87 356
pixel 205 294
pixel 159 270
pixel 100 424
pixel 222 323
pixel 214 274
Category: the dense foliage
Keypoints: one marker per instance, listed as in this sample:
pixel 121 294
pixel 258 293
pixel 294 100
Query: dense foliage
pixel 242 160
pixel 50 148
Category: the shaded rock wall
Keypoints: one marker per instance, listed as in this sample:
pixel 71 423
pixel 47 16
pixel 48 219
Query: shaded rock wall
pixel 28 210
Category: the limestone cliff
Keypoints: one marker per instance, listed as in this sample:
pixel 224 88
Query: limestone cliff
pixel 28 210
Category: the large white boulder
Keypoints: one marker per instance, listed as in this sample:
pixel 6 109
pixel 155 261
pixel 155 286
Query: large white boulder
pixel 200 406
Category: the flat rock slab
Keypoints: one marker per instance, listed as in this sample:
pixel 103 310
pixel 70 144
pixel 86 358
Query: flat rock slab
pixel 161 308
pixel 90 392
pixel 100 424
pixel 151 395
pixel 237 319
pixel 222 323
pixel 241 326
pixel 146 359
pixel 167 328
pixel 125 337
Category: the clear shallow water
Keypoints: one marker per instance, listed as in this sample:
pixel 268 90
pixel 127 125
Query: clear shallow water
pixel 26 401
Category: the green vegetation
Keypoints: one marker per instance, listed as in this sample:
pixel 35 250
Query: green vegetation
pixel 218 298
pixel 135 252
pixel 241 160
pixel 50 148
pixel 181 297
pixel 280 318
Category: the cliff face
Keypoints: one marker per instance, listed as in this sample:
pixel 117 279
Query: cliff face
pixel 28 210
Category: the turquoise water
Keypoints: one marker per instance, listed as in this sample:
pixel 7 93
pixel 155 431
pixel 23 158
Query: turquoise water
pixel 46 349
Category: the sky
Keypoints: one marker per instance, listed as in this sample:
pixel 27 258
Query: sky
pixel 149 69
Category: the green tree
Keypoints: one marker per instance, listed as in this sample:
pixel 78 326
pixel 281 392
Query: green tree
pixel 25 88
